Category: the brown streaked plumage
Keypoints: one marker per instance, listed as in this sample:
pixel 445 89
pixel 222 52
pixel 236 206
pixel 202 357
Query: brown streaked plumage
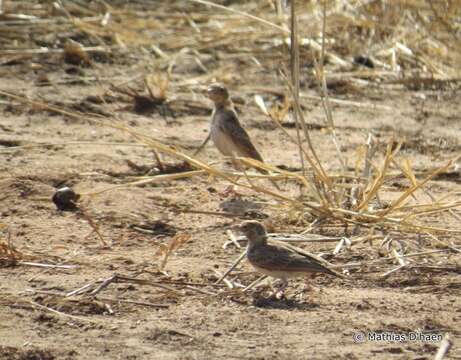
pixel 280 260
pixel 227 133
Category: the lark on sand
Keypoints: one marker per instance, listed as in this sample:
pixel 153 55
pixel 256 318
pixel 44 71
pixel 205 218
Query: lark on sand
pixel 227 133
pixel 279 260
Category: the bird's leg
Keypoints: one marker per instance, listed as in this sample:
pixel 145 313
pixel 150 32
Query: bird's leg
pixel 271 285
pixel 279 293
pixel 230 190
pixel 237 166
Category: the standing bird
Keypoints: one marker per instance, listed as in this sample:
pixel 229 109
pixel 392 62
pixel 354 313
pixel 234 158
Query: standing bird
pixel 227 133
pixel 278 260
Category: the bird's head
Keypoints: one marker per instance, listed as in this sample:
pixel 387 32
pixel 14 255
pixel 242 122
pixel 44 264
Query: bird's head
pixel 218 94
pixel 254 231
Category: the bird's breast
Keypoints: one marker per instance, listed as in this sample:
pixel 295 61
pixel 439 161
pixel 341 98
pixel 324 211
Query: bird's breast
pixel 222 141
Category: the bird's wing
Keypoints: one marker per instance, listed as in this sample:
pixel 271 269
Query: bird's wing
pixel 285 257
pixel 230 125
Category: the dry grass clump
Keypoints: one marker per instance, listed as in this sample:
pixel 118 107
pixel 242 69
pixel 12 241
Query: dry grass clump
pixel 9 255
pixel 399 37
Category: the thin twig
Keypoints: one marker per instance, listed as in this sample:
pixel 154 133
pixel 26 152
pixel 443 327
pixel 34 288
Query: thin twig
pixel 48 266
pixel 233 239
pixel 444 348
pixel 234 265
pixel 387 273
pixel 73 317
pixel 105 283
pixel 202 291
pixel 254 283
pixel 102 298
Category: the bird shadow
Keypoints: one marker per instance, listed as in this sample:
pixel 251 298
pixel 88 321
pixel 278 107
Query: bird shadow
pixel 283 304
pixel 239 206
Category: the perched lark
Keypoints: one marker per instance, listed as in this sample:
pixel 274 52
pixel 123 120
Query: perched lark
pixel 279 260
pixel 227 133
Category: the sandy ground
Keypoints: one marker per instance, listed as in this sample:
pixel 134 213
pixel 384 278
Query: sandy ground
pixel 196 319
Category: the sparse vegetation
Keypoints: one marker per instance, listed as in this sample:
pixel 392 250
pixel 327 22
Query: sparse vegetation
pixel 352 103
